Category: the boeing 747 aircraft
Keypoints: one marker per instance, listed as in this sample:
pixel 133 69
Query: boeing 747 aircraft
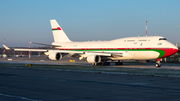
pixel 141 49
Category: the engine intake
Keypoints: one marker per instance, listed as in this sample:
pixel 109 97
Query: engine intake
pixel 93 59
pixel 55 56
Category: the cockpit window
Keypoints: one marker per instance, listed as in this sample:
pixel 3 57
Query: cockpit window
pixel 162 39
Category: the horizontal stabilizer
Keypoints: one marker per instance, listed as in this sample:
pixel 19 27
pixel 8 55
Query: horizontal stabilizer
pixel 7 48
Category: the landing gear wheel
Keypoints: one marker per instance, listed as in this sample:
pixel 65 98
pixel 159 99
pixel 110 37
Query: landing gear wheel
pixel 158 65
pixel 118 63
pixel 99 64
pixel 106 63
pixel 96 64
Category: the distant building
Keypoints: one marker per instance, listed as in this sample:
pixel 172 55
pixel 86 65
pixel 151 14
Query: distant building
pixel 177 45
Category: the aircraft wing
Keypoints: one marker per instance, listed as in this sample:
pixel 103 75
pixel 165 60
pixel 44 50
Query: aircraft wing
pixel 45 44
pixel 80 53
pixel 88 53
pixel 106 53
pixel 21 49
pixel 35 50
pixel 42 50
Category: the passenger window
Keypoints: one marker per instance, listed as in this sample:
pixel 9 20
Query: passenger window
pixel 142 40
pixel 130 40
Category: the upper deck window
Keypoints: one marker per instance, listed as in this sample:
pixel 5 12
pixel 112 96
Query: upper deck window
pixel 130 40
pixel 162 39
pixel 143 40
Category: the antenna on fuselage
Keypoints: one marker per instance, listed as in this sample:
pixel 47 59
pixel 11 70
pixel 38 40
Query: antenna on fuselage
pixel 146 27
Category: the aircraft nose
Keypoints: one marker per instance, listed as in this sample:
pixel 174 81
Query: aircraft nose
pixel 170 52
pixel 174 50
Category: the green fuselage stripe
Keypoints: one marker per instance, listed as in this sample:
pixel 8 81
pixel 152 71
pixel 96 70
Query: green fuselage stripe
pixel 161 52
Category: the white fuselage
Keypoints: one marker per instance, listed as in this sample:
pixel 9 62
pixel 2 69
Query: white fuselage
pixel 136 48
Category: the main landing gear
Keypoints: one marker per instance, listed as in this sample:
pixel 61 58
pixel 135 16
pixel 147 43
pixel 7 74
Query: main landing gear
pixel 99 64
pixel 107 63
pixel 158 64
pixel 119 63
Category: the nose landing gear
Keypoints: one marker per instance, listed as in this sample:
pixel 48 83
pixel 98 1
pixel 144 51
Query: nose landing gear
pixel 158 64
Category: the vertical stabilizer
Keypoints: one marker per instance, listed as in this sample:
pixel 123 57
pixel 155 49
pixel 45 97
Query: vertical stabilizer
pixel 58 33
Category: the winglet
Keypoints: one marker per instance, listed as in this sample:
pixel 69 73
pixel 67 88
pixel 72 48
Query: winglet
pixel 7 48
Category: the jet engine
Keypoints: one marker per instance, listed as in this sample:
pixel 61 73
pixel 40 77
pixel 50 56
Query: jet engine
pixel 55 56
pixel 93 59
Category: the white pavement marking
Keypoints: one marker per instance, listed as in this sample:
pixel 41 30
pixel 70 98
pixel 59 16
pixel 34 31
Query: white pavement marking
pixel 20 97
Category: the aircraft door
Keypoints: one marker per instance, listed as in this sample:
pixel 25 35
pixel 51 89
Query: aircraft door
pixel 126 48
pixel 136 40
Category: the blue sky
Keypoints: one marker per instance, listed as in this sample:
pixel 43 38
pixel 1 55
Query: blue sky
pixel 81 20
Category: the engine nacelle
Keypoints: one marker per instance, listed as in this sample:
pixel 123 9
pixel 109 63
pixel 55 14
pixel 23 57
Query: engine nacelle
pixel 93 59
pixel 144 61
pixel 55 56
